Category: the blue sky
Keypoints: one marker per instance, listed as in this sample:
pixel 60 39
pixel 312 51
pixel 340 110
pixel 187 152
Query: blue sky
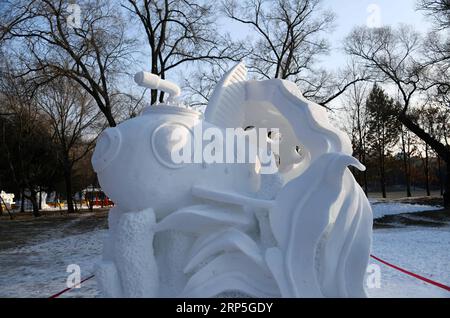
pixel 351 13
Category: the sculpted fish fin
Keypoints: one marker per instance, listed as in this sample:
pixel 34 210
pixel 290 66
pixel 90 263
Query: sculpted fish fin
pixel 224 107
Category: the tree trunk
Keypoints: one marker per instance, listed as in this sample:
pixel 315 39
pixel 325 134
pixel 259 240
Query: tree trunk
pixel 34 203
pixel 366 188
pixel 75 205
pixel 447 188
pixel 22 200
pixel 435 144
pixel 382 176
pixel 110 118
pixel 154 92
pixel 68 182
pixel 40 198
pixel 383 185
pixel 441 184
pixel 405 166
pixel 427 172
pixel 161 93
pixel 441 149
pixel 411 176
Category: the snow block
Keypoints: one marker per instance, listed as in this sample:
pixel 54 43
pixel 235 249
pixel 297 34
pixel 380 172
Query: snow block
pixel 107 279
pixel 133 254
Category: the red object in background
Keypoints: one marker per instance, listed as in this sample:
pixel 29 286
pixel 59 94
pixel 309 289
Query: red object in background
pixel 427 280
pixel 107 202
pixel 69 288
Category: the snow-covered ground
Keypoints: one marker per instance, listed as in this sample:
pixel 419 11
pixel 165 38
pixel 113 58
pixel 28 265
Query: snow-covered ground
pixel 39 269
pixel 424 251
pixel 380 209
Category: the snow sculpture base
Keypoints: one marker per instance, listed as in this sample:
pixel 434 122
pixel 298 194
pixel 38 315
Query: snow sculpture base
pixel 214 229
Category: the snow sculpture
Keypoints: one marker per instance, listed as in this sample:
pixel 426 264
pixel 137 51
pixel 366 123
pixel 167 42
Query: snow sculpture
pixel 43 200
pixel 7 198
pixel 208 229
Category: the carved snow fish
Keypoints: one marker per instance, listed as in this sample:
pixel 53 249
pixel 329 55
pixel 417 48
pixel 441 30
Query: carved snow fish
pixel 211 229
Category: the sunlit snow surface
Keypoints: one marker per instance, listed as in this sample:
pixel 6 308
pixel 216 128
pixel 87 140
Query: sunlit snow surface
pixel 39 270
pixel 380 209
pixel 420 250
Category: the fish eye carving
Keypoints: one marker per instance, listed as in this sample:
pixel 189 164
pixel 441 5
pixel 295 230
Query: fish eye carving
pixel 169 141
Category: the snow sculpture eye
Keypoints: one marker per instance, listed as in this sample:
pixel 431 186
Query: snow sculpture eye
pixel 274 136
pixel 172 145
pixel 108 146
pixel 300 151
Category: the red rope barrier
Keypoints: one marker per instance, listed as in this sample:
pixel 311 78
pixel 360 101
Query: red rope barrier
pixel 427 280
pixel 69 288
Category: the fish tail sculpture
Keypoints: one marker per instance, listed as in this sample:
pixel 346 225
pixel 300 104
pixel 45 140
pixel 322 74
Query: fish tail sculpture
pixel 316 233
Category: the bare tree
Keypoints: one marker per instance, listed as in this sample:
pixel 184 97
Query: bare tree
pixel 408 145
pixel 437 50
pixel 436 81
pixel 291 37
pixel 394 56
pixel 90 51
pixel 27 156
pixel 290 34
pixel 427 119
pixel 179 32
pixel 443 129
pixel 357 116
pixel 438 10
pixel 72 114
pixel 200 83
pixel 434 121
